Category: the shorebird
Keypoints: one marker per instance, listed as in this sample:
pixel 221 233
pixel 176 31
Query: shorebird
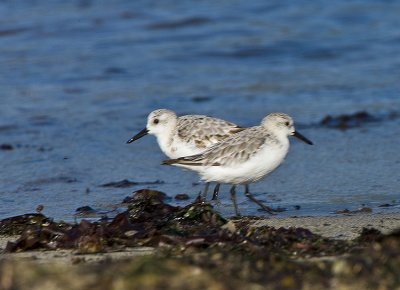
pixel 245 157
pixel 186 135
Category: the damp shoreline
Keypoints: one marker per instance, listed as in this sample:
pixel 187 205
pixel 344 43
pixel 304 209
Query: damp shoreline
pixel 154 267
pixel 342 227
pixel 158 245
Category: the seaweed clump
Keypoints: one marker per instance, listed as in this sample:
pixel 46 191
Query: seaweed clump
pixel 17 224
pixel 345 121
pixel 150 221
pixel 373 264
pixel 196 248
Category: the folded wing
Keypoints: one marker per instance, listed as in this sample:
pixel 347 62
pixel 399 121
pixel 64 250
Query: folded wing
pixel 234 150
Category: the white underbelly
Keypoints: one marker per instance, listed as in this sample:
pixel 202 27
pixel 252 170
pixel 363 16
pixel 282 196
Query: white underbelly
pixel 179 149
pixel 250 171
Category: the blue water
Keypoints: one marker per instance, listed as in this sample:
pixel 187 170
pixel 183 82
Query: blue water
pixel 78 78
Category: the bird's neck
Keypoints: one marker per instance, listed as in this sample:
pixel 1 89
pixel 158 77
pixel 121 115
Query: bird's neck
pixel 281 138
pixel 165 142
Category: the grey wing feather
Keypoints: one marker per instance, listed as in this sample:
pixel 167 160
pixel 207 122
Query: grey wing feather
pixel 205 131
pixel 231 151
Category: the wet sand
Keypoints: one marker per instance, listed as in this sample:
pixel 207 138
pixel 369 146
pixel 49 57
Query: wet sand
pixel 339 227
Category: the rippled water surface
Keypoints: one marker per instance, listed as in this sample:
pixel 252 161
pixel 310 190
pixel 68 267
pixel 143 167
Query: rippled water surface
pixel 78 78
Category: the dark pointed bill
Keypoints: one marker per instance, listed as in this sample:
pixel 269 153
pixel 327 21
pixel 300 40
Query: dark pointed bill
pixel 302 138
pixel 139 135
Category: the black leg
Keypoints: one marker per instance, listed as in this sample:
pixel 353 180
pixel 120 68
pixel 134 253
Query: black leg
pixel 233 197
pixel 204 195
pixel 246 188
pixel 253 199
pixel 216 191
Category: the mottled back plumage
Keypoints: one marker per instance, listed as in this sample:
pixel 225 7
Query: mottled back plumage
pixel 204 131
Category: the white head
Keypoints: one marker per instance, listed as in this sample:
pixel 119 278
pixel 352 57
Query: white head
pixel 160 123
pixel 282 124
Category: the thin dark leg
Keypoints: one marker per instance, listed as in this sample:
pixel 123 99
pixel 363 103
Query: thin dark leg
pixel 233 197
pixel 246 188
pixel 204 195
pixel 252 198
pixel 216 191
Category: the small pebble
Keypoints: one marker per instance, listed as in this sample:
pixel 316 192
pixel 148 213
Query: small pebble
pixel 39 208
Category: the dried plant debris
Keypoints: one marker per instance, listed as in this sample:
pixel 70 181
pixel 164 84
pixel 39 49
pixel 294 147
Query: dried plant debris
pixel 150 221
pixel 391 204
pixel 376 266
pixel 127 183
pixel 153 196
pixel 293 241
pixel 196 248
pixel 348 121
pixel 6 147
pixel 181 196
pixel 201 99
pixel 17 224
pixel 180 23
pixel 363 209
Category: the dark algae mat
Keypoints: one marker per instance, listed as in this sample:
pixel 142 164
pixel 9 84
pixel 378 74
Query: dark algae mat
pixel 194 248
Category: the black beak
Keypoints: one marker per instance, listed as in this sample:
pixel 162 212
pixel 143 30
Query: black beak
pixel 139 135
pixel 302 138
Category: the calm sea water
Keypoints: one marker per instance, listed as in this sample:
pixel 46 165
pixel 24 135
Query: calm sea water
pixel 78 78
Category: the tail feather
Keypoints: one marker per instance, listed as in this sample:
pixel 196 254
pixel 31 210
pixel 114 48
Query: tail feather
pixel 169 162
pixel 189 160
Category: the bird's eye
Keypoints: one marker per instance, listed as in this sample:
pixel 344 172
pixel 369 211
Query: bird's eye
pixel 156 121
pixel 287 124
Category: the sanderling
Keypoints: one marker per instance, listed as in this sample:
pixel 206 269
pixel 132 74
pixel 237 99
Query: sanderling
pixel 186 135
pixel 245 157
